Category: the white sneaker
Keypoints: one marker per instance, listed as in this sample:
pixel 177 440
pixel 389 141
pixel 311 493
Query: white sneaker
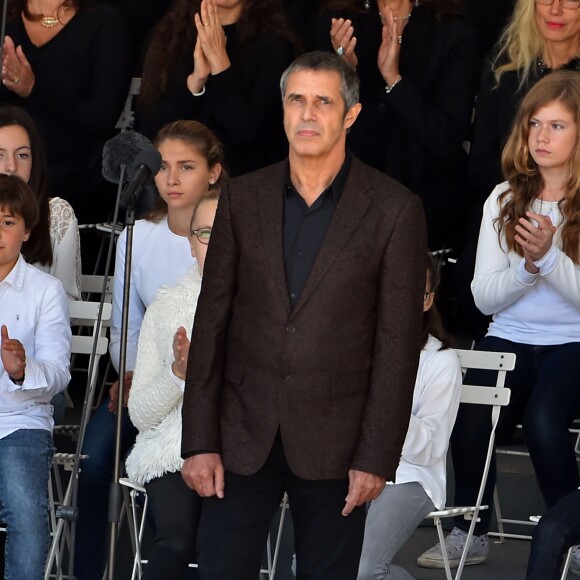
pixel 575 561
pixel 476 553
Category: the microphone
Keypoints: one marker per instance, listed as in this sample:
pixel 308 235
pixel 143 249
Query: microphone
pixel 121 150
pixel 146 165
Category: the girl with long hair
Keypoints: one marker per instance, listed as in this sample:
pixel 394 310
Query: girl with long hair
pixel 527 277
pixel 191 166
pixel 420 483
pixel 54 242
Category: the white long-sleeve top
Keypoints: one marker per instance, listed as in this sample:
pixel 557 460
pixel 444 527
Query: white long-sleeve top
pixel 435 401
pixel 66 247
pixel 160 257
pixel 34 308
pixel 157 394
pixel 540 309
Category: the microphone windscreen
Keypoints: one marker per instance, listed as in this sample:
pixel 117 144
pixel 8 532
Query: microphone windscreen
pixel 122 150
pixel 149 157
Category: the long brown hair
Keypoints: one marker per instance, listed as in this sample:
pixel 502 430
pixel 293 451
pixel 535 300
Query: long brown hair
pixel 205 143
pixel 525 180
pixel 432 321
pixel 174 37
pixel 38 248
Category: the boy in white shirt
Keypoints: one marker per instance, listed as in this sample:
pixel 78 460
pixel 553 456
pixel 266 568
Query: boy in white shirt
pixel 35 340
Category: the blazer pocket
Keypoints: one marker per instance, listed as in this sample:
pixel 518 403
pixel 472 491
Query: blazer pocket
pixel 234 372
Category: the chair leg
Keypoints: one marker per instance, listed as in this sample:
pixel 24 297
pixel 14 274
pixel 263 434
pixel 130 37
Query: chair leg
pixel 444 553
pixel 498 516
pixel 567 564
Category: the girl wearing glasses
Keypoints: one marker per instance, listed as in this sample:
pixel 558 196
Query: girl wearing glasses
pixel 527 276
pixel 191 166
pixel 155 409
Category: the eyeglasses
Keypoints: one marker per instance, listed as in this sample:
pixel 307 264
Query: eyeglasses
pixel 568 4
pixel 202 234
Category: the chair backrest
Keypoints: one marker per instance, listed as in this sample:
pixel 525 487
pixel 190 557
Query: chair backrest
pixel 92 287
pixel 496 397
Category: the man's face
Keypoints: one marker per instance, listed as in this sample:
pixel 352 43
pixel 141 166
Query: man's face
pixel 314 114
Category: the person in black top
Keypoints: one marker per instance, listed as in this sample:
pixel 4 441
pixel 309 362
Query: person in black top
pixel 68 65
pixel 191 72
pixel 418 66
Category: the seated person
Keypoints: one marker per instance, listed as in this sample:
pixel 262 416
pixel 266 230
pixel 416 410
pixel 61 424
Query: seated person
pixel 420 481
pixel 155 409
pixel 34 360
pixel 557 531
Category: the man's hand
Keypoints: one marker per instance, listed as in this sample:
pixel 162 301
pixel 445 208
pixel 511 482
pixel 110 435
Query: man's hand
pixel 204 473
pixel 13 355
pixel 114 392
pixel 362 487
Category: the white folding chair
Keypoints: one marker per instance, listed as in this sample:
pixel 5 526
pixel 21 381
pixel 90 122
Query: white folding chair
pixel 495 397
pixel 62 496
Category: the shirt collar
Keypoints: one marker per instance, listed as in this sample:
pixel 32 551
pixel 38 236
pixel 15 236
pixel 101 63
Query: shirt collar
pixel 15 277
pixel 336 187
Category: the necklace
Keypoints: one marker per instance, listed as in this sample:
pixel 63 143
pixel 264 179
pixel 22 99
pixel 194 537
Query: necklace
pixel 52 21
pixel 542 69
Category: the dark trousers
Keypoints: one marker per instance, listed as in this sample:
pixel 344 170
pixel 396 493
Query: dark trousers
pixel 233 530
pixel 175 510
pixel 557 531
pixel 546 384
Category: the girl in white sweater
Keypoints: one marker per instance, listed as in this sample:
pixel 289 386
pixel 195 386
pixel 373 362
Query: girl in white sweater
pixel 420 480
pixel 155 409
pixel 527 275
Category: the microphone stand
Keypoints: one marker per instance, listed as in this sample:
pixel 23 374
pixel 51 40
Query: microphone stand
pixel 115 490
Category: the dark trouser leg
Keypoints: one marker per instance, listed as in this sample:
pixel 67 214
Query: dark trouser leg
pixel 175 509
pixel 470 435
pixel 557 531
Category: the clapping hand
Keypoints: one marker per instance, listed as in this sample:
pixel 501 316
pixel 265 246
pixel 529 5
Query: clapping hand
pixel 13 355
pixel 180 352
pixel 343 40
pixel 17 74
pixel 209 55
pixel 390 49
pixel 535 240
pixel 114 392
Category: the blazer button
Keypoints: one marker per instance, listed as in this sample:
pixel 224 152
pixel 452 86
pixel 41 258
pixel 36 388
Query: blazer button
pixel 291 328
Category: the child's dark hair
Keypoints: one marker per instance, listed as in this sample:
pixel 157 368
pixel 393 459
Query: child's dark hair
pixel 432 321
pixel 17 198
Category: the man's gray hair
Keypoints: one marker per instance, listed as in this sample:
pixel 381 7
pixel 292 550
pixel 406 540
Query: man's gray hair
pixel 330 62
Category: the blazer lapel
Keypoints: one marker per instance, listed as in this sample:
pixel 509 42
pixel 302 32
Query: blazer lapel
pixel 270 211
pixel 350 210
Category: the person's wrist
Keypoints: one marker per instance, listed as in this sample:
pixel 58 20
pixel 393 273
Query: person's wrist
pixel 177 372
pixel 391 85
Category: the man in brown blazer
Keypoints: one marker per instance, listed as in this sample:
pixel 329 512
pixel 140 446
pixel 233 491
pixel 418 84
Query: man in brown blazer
pixel 306 341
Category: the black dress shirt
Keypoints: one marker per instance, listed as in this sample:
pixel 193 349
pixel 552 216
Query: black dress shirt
pixel 305 228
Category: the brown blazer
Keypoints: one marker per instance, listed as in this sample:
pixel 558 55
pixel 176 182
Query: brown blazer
pixel 336 374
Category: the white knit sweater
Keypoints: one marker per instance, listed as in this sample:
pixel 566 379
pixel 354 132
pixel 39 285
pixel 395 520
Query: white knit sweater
pixel 156 394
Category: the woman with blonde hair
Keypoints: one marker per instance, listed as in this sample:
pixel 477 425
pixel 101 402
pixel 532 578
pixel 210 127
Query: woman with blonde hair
pixel 527 277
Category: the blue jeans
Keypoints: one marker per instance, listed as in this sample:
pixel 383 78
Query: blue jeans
pixel 545 384
pixel 94 485
pixel 557 531
pixel 26 458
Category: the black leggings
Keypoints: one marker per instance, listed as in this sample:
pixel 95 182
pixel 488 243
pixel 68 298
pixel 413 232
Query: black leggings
pixel 175 509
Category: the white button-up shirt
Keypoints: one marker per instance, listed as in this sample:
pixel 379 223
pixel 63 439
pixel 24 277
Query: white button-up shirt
pixel 33 306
